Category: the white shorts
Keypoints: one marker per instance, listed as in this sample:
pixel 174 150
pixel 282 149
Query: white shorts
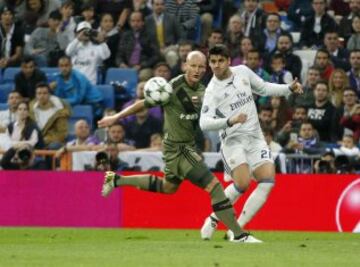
pixel 252 150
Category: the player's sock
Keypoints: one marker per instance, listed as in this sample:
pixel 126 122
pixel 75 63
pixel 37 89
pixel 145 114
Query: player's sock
pixel 224 209
pixel 232 192
pixel 145 182
pixel 255 201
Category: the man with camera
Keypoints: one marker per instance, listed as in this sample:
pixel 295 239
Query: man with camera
pixel 88 50
pixel 21 157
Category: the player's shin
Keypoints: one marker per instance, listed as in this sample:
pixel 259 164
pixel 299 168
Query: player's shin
pixel 232 192
pixel 255 201
pixel 224 209
pixel 145 182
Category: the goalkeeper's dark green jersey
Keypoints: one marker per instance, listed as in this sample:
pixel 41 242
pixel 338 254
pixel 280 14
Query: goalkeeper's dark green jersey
pixel 181 116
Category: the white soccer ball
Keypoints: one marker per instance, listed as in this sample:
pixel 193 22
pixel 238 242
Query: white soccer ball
pixel 157 91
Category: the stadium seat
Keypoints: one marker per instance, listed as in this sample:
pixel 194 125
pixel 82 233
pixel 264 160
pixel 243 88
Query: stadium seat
pixel 3 106
pixel 5 89
pixel 108 94
pixel 80 112
pixel 128 78
pixel 50 73
pixel 9 75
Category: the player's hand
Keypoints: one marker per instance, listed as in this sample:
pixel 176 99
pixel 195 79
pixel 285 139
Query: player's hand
pixel 296 87
pixel 107 121
pixel 238 118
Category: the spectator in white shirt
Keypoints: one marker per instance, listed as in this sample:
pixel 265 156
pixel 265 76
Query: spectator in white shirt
pixel 9 115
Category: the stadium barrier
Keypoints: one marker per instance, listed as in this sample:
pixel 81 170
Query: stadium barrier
pixel 72 199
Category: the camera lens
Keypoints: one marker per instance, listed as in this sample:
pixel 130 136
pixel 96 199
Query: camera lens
pixel 24 154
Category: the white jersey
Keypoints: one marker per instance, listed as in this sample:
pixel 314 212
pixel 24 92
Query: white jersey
pixel 87 57
pixel 234 95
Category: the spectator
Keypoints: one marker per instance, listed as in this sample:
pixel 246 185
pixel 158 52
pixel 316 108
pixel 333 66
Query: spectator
pixel 253 18
pixel 120 10
pixel 136 49
pixel 354 73
pixel 142 128
pixel 11 38
pixel 339 56
pixel 349 101
pixel 354 40
pixel 326 164
pixel 162 27
pixel 306 143
pixel 102 133
pixel 314 28
pixel 162 69
pixel 337 83
pixel 292 126
pixel 352 121
pixel 112 38
pixel 88 15
pixel 37 13
pixel 284 46
pixel 207 9
pixel 27 78
pixel 142 6
pixel 88 51
pixel 278 72
pixel 265 116
pixel 184 48
pixel 245 46
pixel 267 39
pixel 234 34
pixel 307 98
pixel 9 115
pixel 298 12
pixel 117 135
pixel 186 13
pixel 321 112
pixel 215 37
pixel 75 88
pixel 18 6
pixel 281 112
pixel 269 138
pixel 348 147
pixel 51 115
pixel 323 63
pixel 68 24
pixel 108 159
pixel 46 45
pixel 24 130
pixel 345 26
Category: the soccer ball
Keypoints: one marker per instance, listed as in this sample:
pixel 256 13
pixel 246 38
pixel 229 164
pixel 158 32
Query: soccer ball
pixel 157 91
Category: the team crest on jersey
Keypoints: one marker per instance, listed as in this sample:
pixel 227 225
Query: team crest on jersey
pixel 245 82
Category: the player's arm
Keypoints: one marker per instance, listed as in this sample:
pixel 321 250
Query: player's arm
pixel 130 110
pixel 260 87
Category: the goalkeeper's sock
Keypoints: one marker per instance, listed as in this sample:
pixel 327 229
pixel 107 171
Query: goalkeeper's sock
pixel 224 209
pixel 145 182
pixel 255 201
pixel 232 192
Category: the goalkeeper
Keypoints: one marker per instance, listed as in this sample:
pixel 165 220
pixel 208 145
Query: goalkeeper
pixel 180 156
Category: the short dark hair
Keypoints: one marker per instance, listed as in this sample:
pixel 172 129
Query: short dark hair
pixel 55 15
pixel 42 84
pixel 219 50
pixel 322 50
pixel 278 56
pixel 323 82
pixel 27 59
pixel 161 63
pixel 265 107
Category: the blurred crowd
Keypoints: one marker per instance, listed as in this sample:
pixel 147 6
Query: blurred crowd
pixel 315 41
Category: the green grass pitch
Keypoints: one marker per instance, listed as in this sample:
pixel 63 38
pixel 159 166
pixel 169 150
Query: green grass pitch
pixel 171 248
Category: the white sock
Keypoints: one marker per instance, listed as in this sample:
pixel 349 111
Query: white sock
pixel 232 192
pixel 255 201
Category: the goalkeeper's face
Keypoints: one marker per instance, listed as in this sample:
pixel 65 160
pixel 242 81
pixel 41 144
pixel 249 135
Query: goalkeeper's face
pixel 195 67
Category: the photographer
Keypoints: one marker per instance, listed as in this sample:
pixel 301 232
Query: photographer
pixel 109 159
pixel 21 157
pixel 88 50
pixel 326 164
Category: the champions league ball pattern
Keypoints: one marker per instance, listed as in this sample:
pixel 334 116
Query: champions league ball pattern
pixel 157 91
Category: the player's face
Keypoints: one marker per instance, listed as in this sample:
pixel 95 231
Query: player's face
pixel 195 68
pixel 219 65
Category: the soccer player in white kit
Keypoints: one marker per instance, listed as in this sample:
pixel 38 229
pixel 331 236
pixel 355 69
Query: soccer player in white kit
pixel 229 107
